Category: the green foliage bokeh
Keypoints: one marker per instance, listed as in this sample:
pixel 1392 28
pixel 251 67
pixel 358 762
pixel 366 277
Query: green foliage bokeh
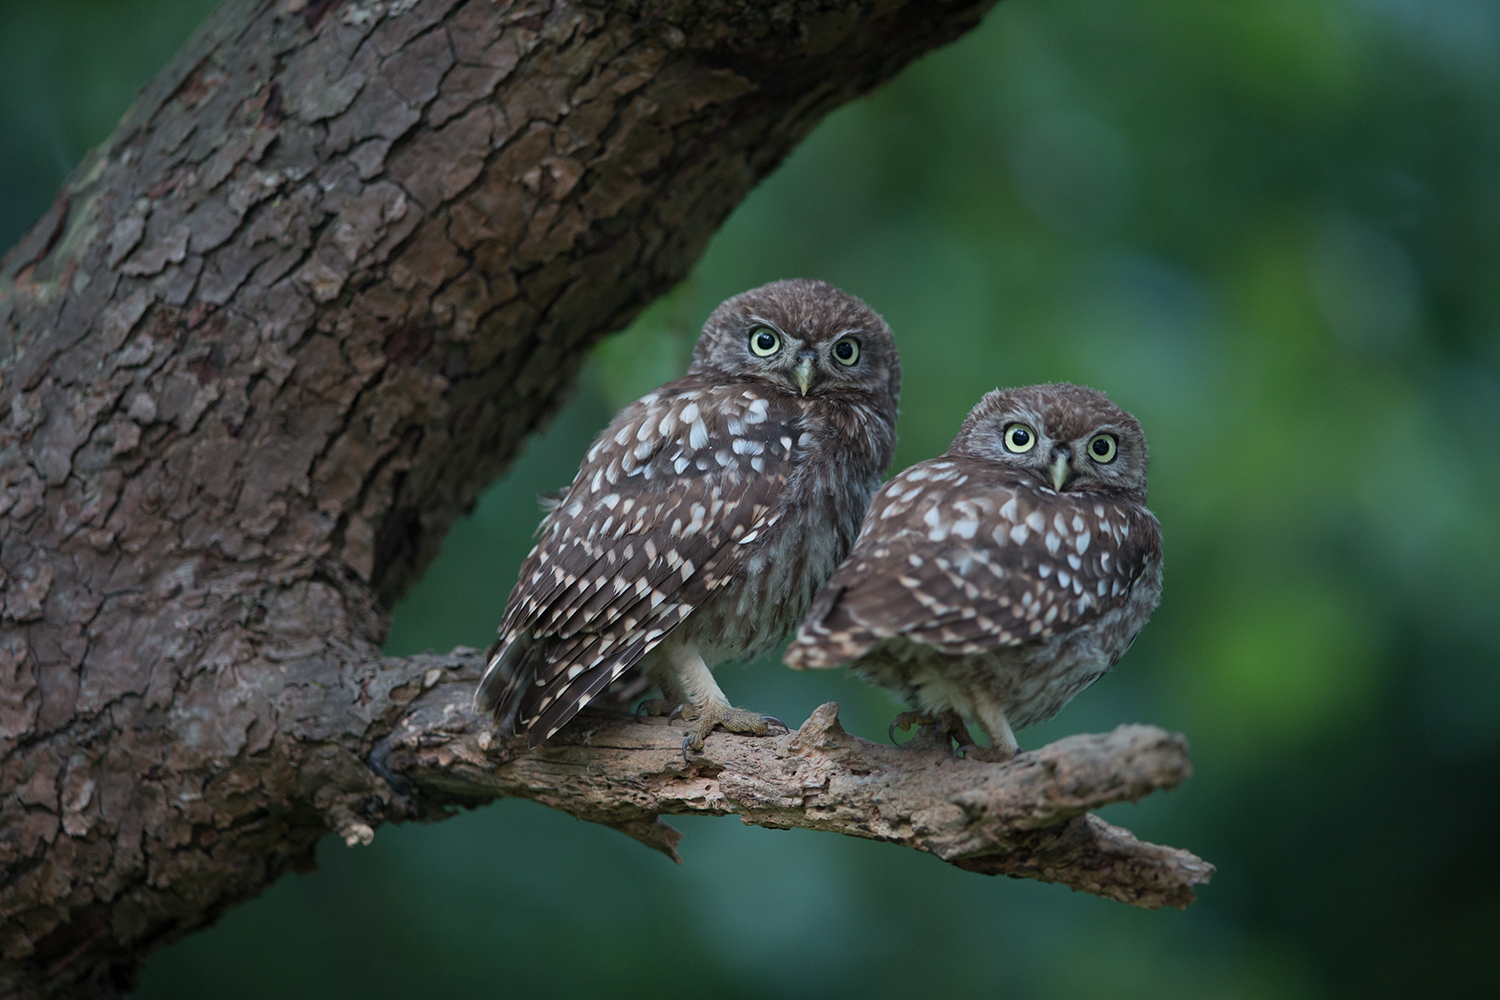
pixel 1269 229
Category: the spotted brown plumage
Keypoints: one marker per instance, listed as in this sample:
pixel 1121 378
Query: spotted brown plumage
pixel 998 581
pixel 705 516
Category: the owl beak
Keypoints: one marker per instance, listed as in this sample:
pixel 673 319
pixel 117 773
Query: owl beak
pixel 804 373
pixel 1061 469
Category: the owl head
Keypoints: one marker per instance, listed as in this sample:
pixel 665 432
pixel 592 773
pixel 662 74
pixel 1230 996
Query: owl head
pixel 1068 437
pixel 805 337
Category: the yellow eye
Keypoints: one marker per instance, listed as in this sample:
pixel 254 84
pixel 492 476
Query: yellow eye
pixel 1019 438
pixel 1103 448
pixel 846 351
pixel 764 342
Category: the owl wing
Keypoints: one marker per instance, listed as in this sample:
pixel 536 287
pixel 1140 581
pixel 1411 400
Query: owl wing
pixel 965 557
pixel 659 517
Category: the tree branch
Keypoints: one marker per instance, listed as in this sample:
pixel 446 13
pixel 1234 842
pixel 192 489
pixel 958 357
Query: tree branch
pixel 1024 818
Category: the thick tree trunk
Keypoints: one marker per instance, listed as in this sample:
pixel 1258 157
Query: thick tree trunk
pixel 336 263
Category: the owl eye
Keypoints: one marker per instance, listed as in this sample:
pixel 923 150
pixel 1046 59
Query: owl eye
pixel 846 351
pixel 764 342
pixel 1103 448
pixel 1019 438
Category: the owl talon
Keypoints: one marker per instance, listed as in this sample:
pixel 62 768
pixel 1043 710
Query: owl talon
pixel 951 725
pixel 735 720
pixel 771 718
pixel 904 721
pixel 656 707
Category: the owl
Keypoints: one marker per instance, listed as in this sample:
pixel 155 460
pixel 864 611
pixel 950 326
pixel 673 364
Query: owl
pixel 705 516
pixel 992 584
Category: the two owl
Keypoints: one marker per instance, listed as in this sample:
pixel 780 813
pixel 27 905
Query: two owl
pixel 989 585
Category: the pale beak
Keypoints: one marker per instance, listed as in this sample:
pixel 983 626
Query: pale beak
pixel 1061 470
pixel 803 373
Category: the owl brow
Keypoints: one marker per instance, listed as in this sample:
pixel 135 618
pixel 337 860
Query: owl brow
pixel 1021 415
pixel 762 321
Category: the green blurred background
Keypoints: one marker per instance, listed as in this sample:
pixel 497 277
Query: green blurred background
pixel 1271 230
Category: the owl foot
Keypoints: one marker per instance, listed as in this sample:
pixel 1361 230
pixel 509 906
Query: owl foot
pixel 946 730
pixel 905 720
pixel 735 720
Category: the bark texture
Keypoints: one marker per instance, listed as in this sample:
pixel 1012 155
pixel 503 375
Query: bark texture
pixel 336 263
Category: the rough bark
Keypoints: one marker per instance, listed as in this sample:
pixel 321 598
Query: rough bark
pixel 336 263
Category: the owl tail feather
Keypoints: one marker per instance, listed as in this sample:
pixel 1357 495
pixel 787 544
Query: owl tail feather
pixel 509 672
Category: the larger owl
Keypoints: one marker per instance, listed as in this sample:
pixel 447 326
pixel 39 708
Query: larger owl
pixel 705 516
pixel 1002 578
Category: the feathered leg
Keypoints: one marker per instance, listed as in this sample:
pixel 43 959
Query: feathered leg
pixel 686 681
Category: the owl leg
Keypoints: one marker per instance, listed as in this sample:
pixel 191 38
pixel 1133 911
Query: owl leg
pixel 992 720
pixel 686 680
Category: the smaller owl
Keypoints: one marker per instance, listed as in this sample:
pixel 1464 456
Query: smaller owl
pixel 1002 578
